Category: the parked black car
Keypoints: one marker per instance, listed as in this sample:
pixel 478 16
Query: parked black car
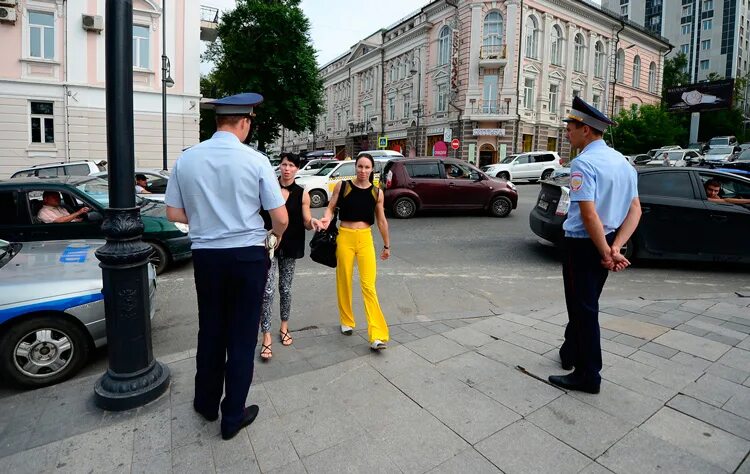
pixel 678 222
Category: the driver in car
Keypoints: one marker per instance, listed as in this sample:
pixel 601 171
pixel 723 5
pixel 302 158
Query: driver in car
pixel 53 213
pixel 713 188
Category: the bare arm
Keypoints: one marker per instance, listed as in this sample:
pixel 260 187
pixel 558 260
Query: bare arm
pixel 279 220
pixel 70 217
pixel 177 214
pixel 307 217
pixel 328 215
pixel 595 229
pixel 383 227
pixel 628 225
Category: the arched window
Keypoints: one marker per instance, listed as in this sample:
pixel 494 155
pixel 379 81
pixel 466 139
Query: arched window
pixel 637 72
pixel 620 65
pixel 652 78
pixel 444 46
pixel 493 31
pixel 556 46
pixel 579 53
pixel 599 59
pixel 532 38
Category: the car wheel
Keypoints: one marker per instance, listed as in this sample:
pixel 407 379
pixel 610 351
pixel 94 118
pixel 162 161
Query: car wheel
pixel 159 257
pixel 43 351
pixel 628 250
pixel 404 208
pixel 318 198
pixel 504 175
pixel 501 206
pixel 546 174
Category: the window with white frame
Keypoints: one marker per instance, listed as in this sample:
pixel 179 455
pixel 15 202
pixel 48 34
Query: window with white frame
pixel 442 97
pixel 556 46
pixel 705 65
pixel 366 112
pixel 687 10
pixel 492 34
pixel 619 104
pixel 141 42
pixel 686 28
pixel 407 105
pixel 624 10
pixel 706 44
pixel 620 65
pixel 444 46
pixel 652 78
pixel 41 35
pixel 596 101
pixel 528 93
pixel 489 94
pixel 636 72
pixel 42 122
pixel 708 5
pixel 391 107
pixel 579 52
pixel 554 98
pixel 599 59
pixel 532 38
pixel 685 49
pixel 708 24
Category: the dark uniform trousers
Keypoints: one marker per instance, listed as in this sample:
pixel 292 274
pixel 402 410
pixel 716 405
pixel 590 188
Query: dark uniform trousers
pixel 229 284
pixel 583 278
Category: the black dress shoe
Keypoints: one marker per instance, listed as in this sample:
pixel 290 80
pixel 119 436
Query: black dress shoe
pixel 208 417
pixel 250 413
pixel 574 382
pixel 566 365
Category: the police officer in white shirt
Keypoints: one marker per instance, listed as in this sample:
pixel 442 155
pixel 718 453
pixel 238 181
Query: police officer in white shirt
pixel 218 187
pixel 604 213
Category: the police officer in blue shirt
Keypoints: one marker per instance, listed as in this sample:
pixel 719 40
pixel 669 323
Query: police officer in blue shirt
pixel 218 187
pixel 604 212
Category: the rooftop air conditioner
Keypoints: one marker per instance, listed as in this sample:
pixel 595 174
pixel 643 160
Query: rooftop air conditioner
pixel 92 22
pixel 8 14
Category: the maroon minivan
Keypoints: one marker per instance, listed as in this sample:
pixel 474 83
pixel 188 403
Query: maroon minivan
pixel 412 184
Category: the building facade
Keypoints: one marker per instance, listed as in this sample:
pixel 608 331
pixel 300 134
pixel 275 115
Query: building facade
pixel 52 74
pixel 499 76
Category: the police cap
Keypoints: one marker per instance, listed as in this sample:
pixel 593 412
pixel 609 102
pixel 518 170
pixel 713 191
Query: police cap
pixel 238 104
pixel 587 115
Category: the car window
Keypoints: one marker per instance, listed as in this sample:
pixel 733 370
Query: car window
pixel 721 150
pixel 97 190
pixel 522 160
pixel 509 159
pixel 9 208
pixel 457 171
pixel 50 172
pixel 317 165
pixel 347 169
pixel 718 141
pixel 157 186
pixel 423 170
pixel 77 170
pixel 67 201
pixel 327 169
pixel 674 185
pixel 544 158
pixel 730 188
pixel 744 156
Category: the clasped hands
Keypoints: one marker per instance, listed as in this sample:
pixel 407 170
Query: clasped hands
pixel 615 261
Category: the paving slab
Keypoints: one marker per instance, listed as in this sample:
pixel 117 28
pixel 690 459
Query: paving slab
pixel 468 337
pixel 637 382
pixel 580 425
pixel 659 350
pixel 317 427
pixel 271 445
pixel 622 403
pixel 498 327
pixel 714 390
pixel 468 460
pixel 527 343
pixel 739 404
pixel 736 358
pixel 105 449
pixel 703 440
pixel 631 327
pixel 729 373
pixel 712 415
pixel 644 453
pixel 436 348
pixel 35 460
pixel 694 345
pixel 359 454
pixel 524 448
pixel 194 457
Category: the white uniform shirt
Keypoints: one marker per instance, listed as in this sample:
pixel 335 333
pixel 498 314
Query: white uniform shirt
pixel 221 184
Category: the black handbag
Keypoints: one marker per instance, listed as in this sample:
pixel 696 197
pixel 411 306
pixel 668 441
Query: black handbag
pixel 323 244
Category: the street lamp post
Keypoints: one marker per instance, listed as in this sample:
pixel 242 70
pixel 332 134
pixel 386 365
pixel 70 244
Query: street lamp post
pixel 413 71
pixel 134 377
pixel 166 81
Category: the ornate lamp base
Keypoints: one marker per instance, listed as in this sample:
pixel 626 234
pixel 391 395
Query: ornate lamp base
pixel 119 392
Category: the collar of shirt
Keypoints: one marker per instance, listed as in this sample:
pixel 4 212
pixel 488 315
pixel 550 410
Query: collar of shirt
pixel 229 136
pixel 598 143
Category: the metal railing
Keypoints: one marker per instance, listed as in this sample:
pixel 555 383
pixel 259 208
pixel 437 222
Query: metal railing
pixel 493 51
pixel 490 107
pixel 209 14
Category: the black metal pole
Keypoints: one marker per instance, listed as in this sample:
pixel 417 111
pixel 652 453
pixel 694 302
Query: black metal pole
pixel 164 85
pixel 133 378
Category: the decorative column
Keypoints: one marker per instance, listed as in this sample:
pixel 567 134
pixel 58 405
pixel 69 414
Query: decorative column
pixel 475 47
pixel 546 45
pixel 590 66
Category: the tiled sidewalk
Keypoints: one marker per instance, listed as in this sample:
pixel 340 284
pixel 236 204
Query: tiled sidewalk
pixel 447 396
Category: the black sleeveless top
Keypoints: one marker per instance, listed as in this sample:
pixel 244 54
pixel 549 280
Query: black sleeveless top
pixel 357 204
pixel 293 240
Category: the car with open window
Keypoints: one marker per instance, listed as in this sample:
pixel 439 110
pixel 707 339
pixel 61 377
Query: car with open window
pixel 678 221
pixel 157 182
pixel 21 201
pixel 531 166
pixel 413 184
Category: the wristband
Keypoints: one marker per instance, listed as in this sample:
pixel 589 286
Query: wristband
pixel 385 247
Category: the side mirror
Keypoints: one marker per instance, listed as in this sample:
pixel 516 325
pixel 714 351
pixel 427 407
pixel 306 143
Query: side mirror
pixel 94 216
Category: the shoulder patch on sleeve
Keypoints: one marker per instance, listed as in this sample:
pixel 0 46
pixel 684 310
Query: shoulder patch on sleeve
pixel 576 180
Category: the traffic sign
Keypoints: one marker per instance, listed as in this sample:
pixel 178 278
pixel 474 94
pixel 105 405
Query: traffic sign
pixel 383 142
pixel 455 144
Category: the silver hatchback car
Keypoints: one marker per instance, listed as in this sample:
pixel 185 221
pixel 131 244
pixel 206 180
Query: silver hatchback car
pixel 51 309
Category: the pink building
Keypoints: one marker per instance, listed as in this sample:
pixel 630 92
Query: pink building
pixel 52 73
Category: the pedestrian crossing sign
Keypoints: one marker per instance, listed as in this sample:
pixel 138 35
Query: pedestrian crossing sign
pixel 383 142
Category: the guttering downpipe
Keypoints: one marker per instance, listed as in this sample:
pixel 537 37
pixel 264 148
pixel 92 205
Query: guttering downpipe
pixel 518 79
pixel 382 83
pixel 614 79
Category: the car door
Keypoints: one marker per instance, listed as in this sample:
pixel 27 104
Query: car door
pixel 728 225
pixel 672 215
pixel 13 217
pixel 38 230
pixel 345 172
pixel 468 190
pixel 523 167
pixel 425 179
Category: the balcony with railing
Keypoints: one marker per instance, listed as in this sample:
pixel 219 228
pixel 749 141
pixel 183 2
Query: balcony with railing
pixel 488 109
pixel 493 56
pixel 209 23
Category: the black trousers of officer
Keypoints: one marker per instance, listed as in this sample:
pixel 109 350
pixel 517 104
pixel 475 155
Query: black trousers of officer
pixel 229 285
pixel 583 278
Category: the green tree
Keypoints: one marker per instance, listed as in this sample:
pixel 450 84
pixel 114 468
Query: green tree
pixel 674 73
pixel 264 46
pixel 210 90
pixel 640 129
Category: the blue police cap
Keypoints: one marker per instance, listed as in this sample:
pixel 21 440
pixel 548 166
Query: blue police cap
pixel 588 115
pixel 238 104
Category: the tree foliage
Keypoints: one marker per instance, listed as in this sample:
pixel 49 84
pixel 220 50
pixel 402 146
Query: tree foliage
pixel 674 73
pixel 640 129
pixel 264 46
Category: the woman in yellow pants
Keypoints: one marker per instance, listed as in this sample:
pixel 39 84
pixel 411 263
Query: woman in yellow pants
pixel 360 205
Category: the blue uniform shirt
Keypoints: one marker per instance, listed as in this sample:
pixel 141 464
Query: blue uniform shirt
pixel 222 184
pixel 602 175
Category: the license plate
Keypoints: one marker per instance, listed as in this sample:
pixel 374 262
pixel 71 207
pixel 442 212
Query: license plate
pixel 543 205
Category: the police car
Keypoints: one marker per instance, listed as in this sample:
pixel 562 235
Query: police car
pixel 320 185
pixel 51 309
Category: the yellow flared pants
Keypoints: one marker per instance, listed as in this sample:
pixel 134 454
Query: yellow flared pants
pixel 357 244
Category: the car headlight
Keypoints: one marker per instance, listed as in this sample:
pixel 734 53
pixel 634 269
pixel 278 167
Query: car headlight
pixel 511 185
pixel 184 228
